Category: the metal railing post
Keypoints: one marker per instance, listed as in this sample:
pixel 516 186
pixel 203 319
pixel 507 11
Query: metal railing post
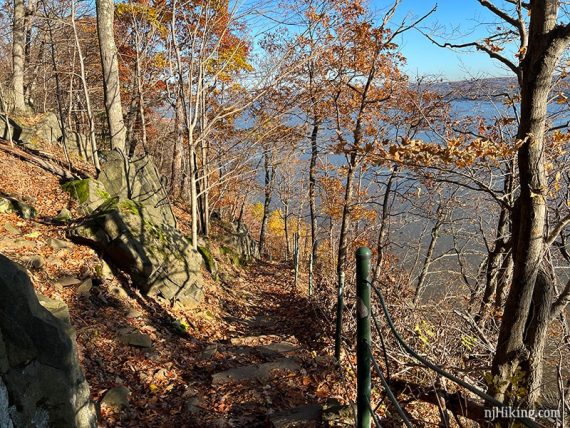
pixel 363 360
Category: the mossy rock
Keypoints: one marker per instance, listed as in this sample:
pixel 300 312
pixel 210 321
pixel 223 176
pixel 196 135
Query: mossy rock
pixel 89 193
pixel 232 255
pixel 209 260
pixel 158 258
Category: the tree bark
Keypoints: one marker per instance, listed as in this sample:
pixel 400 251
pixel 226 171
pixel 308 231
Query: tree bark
pixel 111 80
pixel 495 265
pixel 343 251
pixel 312 200
pixel 18 54
pixel 176 167
pixel 268 191
pixel 523 330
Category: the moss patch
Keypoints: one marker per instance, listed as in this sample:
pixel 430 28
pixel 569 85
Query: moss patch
pixel 129 206
pixel 84 190
pixel 232 255
pixel 208 259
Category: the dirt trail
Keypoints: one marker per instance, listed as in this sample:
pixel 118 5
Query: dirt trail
pixel 273 357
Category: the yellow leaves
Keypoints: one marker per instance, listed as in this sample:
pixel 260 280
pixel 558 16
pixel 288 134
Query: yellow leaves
pixel 257 211
pixel 34 234
pixel 425 332
pixel 276 223
pixel 469 342
pixel 148 13
pixel 556 183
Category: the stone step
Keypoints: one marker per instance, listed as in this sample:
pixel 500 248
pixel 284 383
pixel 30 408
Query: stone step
pixel 259 372
pixel 308 415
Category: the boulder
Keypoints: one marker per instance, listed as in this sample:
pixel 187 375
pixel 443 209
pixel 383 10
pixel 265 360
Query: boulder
pixel 141 184
pixel 78 144
pixel 34 130
pixel 158 258
pixel 9 204
pixel 235 241
pixel 90 194
pixel 116 398
pixel 41 382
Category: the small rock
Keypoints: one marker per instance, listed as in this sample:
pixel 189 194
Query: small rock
pixel 209 352
pixel 67 281
pixel 12 205
pixel 119 293
pixel 11 229
pixel 63 215
pixel 6 206
pixel 133 313
pixel 303 416
pixel 57 308
pixel 58 244
pixel 103 270
pixel 136 339
pixel 34 262
pixel 84 290
pixel 116 398
pixel 15 244
pixel 193 405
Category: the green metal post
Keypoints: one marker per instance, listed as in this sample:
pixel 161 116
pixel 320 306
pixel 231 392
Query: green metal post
pixel 363 359
pixel 339 309
pixel 296 257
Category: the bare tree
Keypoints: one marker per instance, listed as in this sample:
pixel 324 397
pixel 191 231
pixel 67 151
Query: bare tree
pixel 18 54
pixel 111 82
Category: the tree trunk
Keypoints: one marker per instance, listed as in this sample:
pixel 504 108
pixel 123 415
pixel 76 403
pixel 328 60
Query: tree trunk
pixel 495 264
pixel 428 259
pixel 383 227
pixel 342 252
pixel 312 200
pixel 523 330
pixel 18 54
pixel 82 76
pixel 176 167
pixel 286 227
pixel 268 190
pixel 111 81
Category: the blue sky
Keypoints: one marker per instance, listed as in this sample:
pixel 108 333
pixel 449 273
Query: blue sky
pixel 462 20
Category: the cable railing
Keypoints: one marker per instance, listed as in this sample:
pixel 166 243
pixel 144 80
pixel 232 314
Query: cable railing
pixel 366 361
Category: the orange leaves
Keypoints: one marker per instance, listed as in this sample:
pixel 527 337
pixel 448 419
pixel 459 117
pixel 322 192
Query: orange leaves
pixel 462 153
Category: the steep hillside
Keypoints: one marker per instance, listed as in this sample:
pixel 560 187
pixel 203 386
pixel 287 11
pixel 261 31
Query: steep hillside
pixel 242 357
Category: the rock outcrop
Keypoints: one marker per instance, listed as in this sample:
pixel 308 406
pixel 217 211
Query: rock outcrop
pixel 158 258
pixel 236 240
pixel 33 130
pixel 140 184
pixel 129 220
pixel 89 193
pixel 41 381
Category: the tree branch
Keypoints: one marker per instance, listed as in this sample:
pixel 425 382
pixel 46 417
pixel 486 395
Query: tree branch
pixel 556 231
pixel 495 55
pixel 502 14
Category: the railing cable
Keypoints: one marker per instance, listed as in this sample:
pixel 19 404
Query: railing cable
pixel 437 369
pixel 389 392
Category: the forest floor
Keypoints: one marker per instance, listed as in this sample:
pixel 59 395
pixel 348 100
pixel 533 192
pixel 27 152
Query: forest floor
pixel 254 348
